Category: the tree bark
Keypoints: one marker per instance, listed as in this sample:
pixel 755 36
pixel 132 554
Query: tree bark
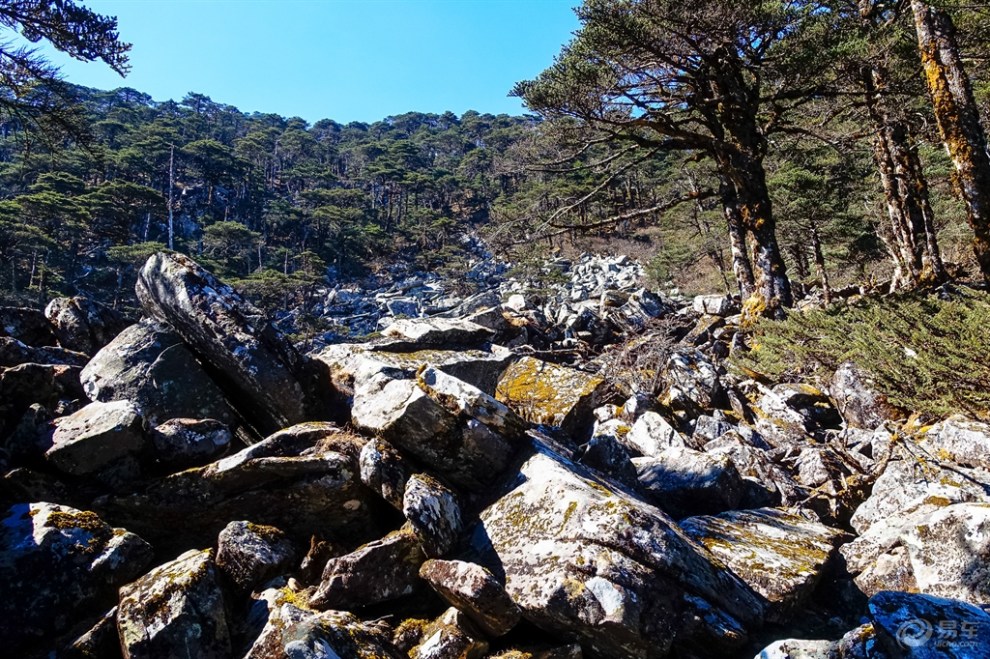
pixel 816 250
pixel 742 268
pixel 958 120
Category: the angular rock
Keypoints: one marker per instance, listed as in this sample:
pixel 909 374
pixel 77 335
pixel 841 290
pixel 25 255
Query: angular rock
pixel 176 610
pixel 55 563
pixel 553 395
pixel 798 649
pixel 451 636
pixel 416 334
pixel 858 400
pixel 15 353
pixel 82 324
pixel 26 325
pixel 433 513
pixel 43 384
pixel 276 386
pixel 651 435
pixel 100 640
pixel 950 552
pixel 182 443
pixel 926 627
pixel 779 553
pixel 960 440
pixel 693 384
pixel 377 572
pixel 650 589
pixel 715 305
pixel 97 436
pixel 293 480
pixel 385 471
pixel 251 554
pixel 606 454
pixel 684 482
pixel 149 365
pixel 293 632
pixel 475 591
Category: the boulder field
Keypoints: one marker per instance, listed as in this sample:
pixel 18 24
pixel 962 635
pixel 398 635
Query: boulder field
pixel 190 483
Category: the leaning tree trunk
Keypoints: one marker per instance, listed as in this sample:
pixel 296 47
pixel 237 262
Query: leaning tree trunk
pixel 958 120
pixel 741 265
pixel 911 238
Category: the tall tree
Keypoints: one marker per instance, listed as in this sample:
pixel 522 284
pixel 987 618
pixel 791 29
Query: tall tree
pixel 712 76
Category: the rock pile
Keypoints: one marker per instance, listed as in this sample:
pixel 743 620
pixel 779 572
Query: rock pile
pixel 193 485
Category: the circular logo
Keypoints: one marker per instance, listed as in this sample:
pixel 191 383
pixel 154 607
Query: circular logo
pixel 914 633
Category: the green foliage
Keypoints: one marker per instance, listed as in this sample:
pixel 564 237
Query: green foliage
pixel 927 354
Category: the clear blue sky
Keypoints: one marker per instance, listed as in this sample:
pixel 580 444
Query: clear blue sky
pixel 347 60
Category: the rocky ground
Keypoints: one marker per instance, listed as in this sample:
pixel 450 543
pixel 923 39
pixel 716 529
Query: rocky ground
pixel 492 483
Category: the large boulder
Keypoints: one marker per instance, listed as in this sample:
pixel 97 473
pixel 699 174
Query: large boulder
pixel 685 482
pixel 859 400
pixel 779 553
pixel 385 471
pixel 97 436
pixel 14 353
pixel 269 382
pixel 693 384
pixel 182 443
pixel 913 626
pixel 57 564
pixel 176 610
pixel 298 481
pixel 959 440
pixel 475 591
pixel 433 513
pixel 409 334
pixel 553 395
pixel 582 559
pixel 251 554
pixel 26 325
pixel 651 435
pixel 82 324
pixel 149 365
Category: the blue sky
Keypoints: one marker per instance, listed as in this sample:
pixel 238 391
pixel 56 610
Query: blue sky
pixel 347 60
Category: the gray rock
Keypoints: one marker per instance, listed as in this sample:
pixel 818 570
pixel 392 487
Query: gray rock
pixel 950 552
pixel 56 564
pixel 858 400
pixel 652 589
pixel 82 324
pixel 175 610
pixel 14 353
pixel 798 649
pixel 779 553
pixel 385 471
pixel 685 482
pixel 709 427
pixel 182 443
pixel 912 626
pixel 297 480
pixel 252 554
pixel 715 305
pixel 149 365
pixel 299 633
pixel 417 334
pixel 47 385
pixel 693 383
pixel 96 436
pixel 377 572
pixel 606 454
pixel 433 513
pixel 451 636
pixel 27 325
pixel 274 385
pixel 651 435
pixel 475 591
pixel 960 440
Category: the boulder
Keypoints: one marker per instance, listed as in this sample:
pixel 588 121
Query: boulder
pixel 97 436
pixel 29 326
pixel 552 395
pixel 42 384
pixel 451 636
pixel 176 610
pixel 57 564
pixel 294 632
pixel 433 513
pixel 685 482
pixel 293 480
pixel 651 435
pixel 251 554
pixel 377 572
pixel 950 552
pixel 385 471
pixel 182 443
pixel 584 560
pixel 448 333
pixel 82 324
pixel 15 353
pixel 149 365
pixel 475 591
pixel 779 553
pixel 715 305
pixel 606 454
pixel 693 384
pixel 269 382
pixel 913 626
pixel 959 440
pixel 858 399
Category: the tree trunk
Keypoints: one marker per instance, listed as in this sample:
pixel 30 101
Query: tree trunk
pixel 958 120
pixel 911 241
pixel 741 265
pixel 816 250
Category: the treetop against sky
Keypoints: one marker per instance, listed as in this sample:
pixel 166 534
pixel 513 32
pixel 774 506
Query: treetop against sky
pixel 347 60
